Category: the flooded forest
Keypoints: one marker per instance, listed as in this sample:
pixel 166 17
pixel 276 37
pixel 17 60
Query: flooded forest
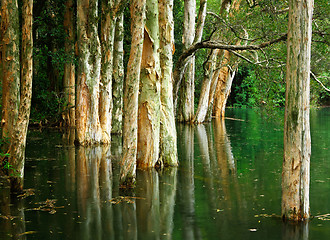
pixel 164 119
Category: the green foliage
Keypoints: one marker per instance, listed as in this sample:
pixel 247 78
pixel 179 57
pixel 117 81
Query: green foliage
pixel 49 58
pixel 4 164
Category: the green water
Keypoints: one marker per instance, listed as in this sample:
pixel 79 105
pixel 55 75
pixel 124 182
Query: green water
pixel 228 186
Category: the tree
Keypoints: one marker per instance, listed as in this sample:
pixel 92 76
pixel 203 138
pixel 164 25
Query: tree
pixel 118 75
pixel 168 138
pixel 131 94
pixel 89 66
pixel 185 112
pixel 18 83
pixel 297 141
pixel 149 97
pixel 69 79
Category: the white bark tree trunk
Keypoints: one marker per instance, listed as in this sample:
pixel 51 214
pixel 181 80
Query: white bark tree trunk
pixel 89 67
pixel 108 23
pixel 297 141
pixel 131 94
pixel 118 76
pixel 186 101
pixel 149 98
pixel 168 139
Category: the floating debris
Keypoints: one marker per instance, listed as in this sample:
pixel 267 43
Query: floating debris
pixel 121 199
pixel 26 233
pixel 47 206
pixel 27 193
pixel 323 217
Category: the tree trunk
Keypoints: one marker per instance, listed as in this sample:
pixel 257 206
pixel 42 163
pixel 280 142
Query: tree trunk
pixel 221 86
pixel 297 141
pixel 108 23
pixel 69 116
pixel 149 97
pixel 10 66
pixel 131 94
pixel 168 139
pixel 88 86
pixel 118 76
pixel 18 141
pixel 186 101
pixel 206 87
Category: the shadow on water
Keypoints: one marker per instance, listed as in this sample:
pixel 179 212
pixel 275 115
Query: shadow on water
pixel 227 186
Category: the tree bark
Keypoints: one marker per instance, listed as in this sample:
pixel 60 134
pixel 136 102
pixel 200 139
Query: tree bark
pixel 206 87
pixel 108 23
pixel 168 140
pixel 186 101
pixel 88 86
pixel 69 116
pixel 149 97
pixel 131 93
pixel 18 141
pixel 223 87
pixel 118 76
pixel 10 66
pixel 297 141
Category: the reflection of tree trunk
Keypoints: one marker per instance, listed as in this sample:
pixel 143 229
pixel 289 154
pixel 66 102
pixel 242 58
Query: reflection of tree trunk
pixel 105 181
pixel 225 160
pixel 295 231
pixel 147 210
pixel 167 192
pixel 11 207
pixel 206 149
pixel 70 151
pixel 186 185
pixel 5 224
pixel 128 211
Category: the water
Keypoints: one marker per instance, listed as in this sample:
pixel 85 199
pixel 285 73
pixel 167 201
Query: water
pixel 228 186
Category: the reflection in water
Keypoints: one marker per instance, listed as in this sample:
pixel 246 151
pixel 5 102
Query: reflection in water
pixel 12 217
pixel 186 185
pixel 227 186
pixel 102 213
pixel 295 231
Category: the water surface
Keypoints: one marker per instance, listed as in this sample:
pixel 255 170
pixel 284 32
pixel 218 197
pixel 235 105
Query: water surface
pixel 228 186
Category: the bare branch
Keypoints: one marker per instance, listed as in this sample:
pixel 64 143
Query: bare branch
pixel 313 75
pixel 177 74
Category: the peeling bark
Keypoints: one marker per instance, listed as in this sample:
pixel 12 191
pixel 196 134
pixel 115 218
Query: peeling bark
pixel 10 66
pixel 168 138
pixel 149 98
pixel 223 87
pixel 186 101
pixel 297 141
pixel 89 67
pixel 108 23
pixel 69 67
pixel 131 93
pixel 118 76
pixel 18 139
pixel 206 87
